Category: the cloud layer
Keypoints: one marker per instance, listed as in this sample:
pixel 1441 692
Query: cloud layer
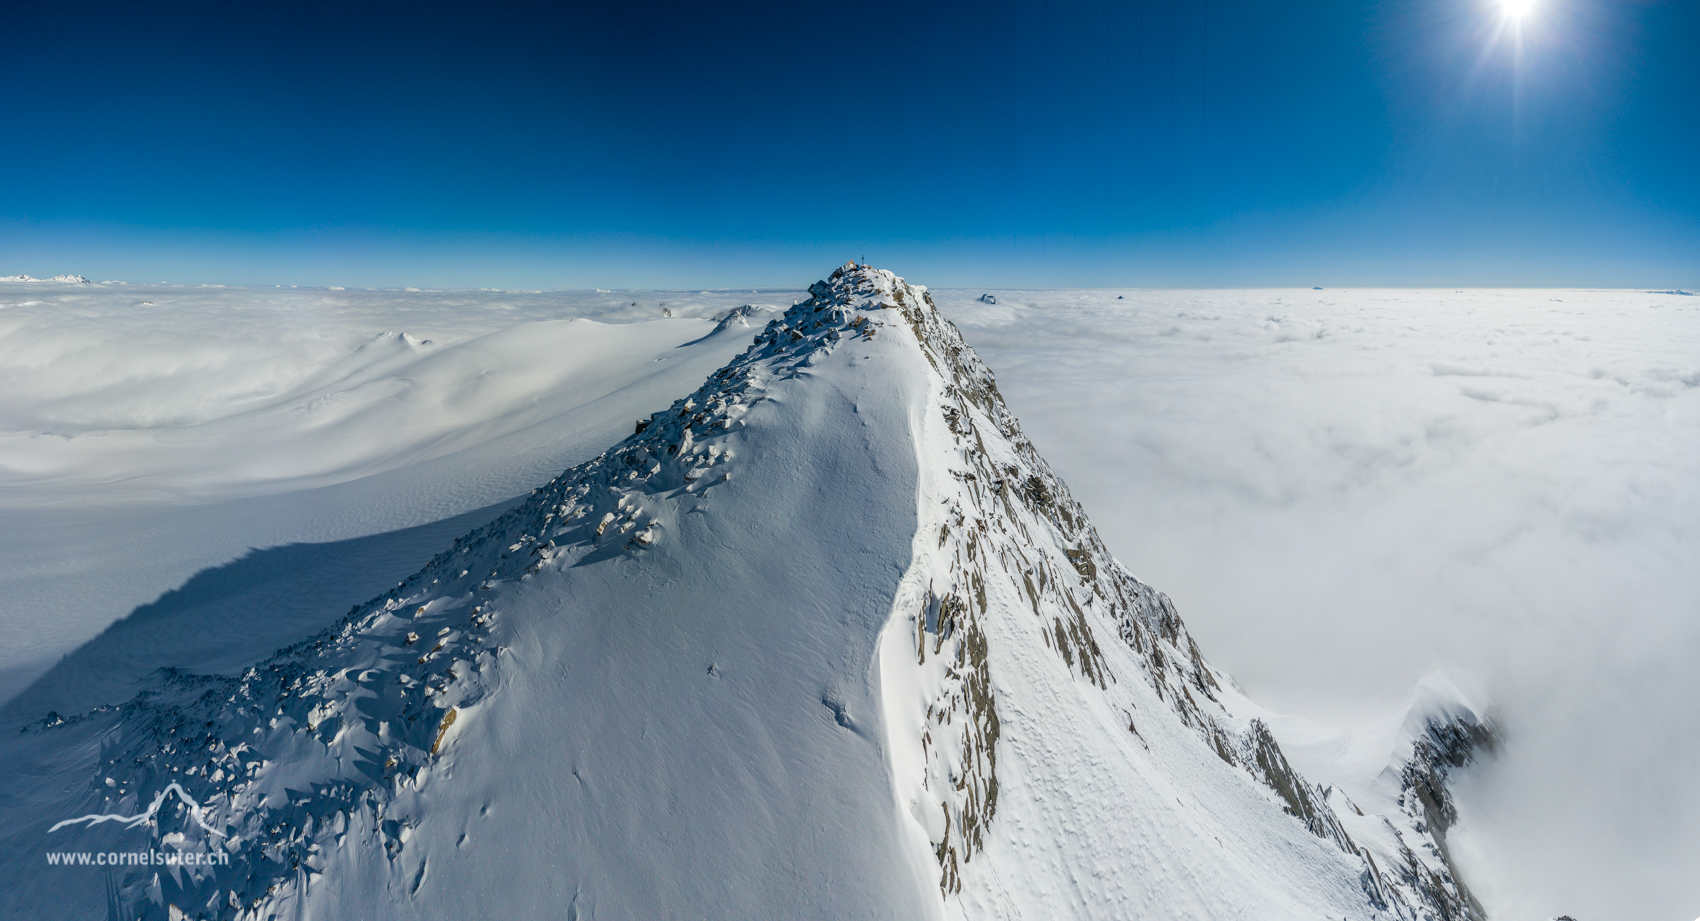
pixel 1346 490
pixel 1343 491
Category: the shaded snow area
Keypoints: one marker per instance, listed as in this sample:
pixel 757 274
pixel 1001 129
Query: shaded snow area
pixel 824 638
pixel 1347 490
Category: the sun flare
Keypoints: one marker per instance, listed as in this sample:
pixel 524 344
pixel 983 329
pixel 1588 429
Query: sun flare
pixel 1517 9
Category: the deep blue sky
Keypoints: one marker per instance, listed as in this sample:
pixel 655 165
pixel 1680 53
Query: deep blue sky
pixel 997 143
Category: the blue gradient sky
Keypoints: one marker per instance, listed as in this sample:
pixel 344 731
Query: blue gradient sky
pixel 1002 143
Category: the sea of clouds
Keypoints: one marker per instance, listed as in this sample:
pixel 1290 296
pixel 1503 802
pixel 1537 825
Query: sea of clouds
pixel 1343 491
pixel 159 441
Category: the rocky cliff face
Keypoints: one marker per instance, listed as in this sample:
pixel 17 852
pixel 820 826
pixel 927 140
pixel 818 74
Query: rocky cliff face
pixel 826 637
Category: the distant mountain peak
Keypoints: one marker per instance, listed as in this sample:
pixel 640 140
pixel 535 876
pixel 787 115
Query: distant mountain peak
pixel 57 279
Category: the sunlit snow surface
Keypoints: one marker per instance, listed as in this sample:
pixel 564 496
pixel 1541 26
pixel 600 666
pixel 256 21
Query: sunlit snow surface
pixel 1342 491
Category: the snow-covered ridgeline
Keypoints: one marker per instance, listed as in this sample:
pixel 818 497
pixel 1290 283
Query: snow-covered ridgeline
pixel 337 749
pixel 55 280
pixel 828 619
pixel 1006 526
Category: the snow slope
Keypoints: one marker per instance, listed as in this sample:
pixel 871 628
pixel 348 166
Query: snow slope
pixel 826 638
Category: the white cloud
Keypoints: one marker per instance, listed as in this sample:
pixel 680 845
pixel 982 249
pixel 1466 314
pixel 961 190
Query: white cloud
pixel 151 433
pixel 1345 490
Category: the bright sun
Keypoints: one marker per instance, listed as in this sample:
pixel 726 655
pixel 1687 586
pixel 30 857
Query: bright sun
pixel 1517 9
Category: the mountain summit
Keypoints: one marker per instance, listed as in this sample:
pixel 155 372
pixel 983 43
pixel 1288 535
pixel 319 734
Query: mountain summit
pixel 825 638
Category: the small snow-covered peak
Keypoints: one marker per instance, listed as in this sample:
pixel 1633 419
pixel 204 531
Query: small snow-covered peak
pixel 392 340
pixel 1443 698
pixel 863 287
pixel 57 279
pixel 855 300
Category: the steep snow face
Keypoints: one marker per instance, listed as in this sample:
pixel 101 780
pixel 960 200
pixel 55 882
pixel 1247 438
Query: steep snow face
pixel 660 670
pixel 1136 778
pixel 826 638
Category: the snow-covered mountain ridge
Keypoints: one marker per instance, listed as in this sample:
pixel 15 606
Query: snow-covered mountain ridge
pixel 57 279
pixel 826 638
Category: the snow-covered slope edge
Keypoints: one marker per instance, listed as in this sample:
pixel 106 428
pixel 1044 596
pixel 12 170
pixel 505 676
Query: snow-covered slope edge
pixel 826 638
pixel 1395 801
pixel 1000 534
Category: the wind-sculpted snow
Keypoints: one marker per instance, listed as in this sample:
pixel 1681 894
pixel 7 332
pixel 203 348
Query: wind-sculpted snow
pixel 825 638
